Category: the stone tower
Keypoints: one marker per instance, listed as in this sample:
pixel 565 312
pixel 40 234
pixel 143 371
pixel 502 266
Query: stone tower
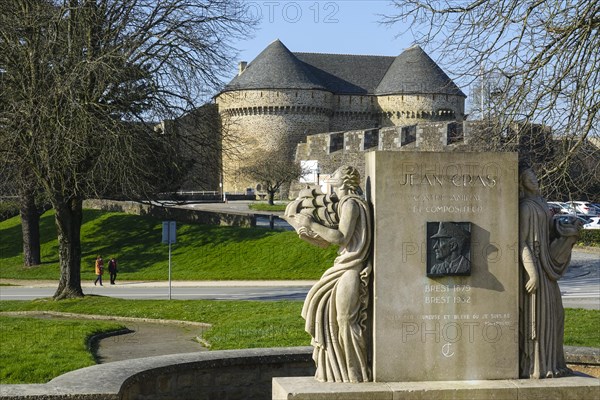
pixel 281 97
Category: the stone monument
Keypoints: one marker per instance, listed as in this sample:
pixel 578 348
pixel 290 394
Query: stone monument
pixel 446 265
pixel 455 268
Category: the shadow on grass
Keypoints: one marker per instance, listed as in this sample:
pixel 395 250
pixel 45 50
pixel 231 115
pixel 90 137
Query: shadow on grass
pixel 11 241
pixel 136 240
pixel 133 240
pixel 11 236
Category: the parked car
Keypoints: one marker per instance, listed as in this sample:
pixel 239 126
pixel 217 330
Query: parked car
pixel 563 208
pixel 585 208
pixel 594 224
pixel 554 208
pixel 571 218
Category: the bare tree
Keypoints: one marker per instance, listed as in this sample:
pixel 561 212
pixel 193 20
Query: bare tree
pixel 542 55
pixel 84 82
pixel 273 170
pixel 32 204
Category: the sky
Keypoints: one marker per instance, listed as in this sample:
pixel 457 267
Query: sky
pixel 342 26
pixel 339 27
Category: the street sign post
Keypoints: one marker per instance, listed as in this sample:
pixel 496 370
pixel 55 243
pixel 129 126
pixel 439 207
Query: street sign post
pixel 169 236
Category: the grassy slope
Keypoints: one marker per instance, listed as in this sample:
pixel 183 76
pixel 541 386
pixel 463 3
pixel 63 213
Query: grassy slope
pixel 263 206
pixel 201 252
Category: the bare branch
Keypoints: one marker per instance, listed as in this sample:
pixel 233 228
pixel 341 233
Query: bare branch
pixel 542 55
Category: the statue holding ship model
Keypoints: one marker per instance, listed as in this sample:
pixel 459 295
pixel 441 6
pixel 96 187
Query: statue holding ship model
pixel 335 309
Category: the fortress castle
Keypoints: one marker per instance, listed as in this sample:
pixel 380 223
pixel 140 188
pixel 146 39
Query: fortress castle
pixel 281 98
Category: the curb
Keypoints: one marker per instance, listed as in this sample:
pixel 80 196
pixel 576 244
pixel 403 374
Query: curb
pixel 60 314
pixel 587 249
pixel 582 355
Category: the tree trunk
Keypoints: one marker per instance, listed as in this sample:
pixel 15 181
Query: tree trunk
pixel 30 226
pixel 271 197
pixel 69 215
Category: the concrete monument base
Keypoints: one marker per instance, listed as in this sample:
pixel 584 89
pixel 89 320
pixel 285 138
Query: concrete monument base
pixel 307 388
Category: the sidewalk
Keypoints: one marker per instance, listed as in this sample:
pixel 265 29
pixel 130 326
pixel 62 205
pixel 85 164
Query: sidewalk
pixel 86 283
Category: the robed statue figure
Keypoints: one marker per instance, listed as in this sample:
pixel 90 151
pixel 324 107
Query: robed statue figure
pixel 335 309
pixel 545 243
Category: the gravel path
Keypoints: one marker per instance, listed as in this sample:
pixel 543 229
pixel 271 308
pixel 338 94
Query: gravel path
pixel 148 340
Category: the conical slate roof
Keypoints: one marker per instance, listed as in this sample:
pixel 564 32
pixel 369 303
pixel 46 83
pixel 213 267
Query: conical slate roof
pixel 275 68
pixel 414 72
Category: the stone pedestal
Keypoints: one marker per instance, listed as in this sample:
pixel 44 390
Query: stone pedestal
pixel 454 323
pixel 571 388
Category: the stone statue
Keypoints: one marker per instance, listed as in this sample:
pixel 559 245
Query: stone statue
pixel 545 244
pixel 449 246
pixel 335 308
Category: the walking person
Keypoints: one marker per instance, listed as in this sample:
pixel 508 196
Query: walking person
pixel 99 270
pixel 112 270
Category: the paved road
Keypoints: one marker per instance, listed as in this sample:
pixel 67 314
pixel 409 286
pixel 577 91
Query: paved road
pixel 161 291
pixel 580 288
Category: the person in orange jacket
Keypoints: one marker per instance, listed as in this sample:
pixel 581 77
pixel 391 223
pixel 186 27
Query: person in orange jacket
pixel 99 270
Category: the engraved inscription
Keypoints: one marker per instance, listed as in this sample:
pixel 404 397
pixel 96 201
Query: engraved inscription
pixel 485 181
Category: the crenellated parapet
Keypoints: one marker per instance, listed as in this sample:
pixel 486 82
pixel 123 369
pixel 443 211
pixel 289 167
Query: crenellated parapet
pixel 331 149
pixel 276 110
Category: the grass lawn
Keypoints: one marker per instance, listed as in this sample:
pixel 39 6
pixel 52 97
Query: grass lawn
pixel 236 324
pixel 264 206
pixel 582 327
pixel 202 252
pixel 34 350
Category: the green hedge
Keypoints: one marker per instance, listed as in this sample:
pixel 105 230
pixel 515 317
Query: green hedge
pixel 589 237
pixel 8 209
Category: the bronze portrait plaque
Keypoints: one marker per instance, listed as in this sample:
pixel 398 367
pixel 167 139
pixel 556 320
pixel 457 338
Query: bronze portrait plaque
pixel 448 248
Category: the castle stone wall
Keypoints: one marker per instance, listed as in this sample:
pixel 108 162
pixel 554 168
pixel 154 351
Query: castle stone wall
pixel 354 112
pixel 254 135
pixel 410 109
pixel 245 100
pixel 259 121
pixel 262 120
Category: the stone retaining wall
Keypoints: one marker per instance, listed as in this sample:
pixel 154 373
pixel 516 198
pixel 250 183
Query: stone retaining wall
pixel 174 214
pixel 215 375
